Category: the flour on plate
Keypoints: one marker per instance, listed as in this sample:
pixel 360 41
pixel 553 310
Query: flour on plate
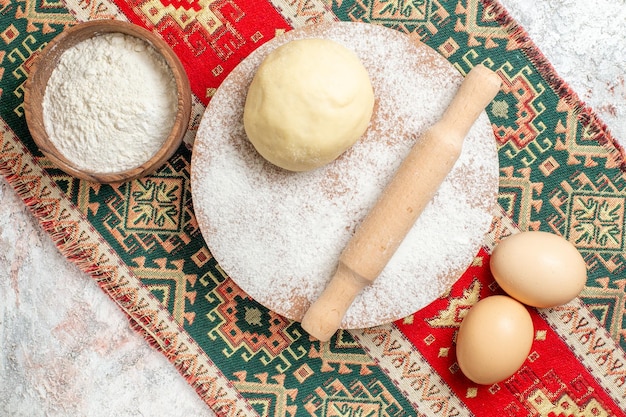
pixel 279 234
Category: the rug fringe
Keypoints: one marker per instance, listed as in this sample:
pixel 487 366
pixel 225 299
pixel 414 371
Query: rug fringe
pixel 586 116
pixel 141 319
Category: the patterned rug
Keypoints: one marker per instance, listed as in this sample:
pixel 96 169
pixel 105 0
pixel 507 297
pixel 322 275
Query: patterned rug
pixel 560 171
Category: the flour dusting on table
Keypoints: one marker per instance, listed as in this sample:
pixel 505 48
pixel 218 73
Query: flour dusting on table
pixel 279 234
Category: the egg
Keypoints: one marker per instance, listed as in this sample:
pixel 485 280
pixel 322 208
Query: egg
pixel 539 269
pixel 494 339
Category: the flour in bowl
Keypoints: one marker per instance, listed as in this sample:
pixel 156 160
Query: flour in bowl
pixel 110 103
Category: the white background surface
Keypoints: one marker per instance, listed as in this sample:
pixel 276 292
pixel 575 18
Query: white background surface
pixel 66 349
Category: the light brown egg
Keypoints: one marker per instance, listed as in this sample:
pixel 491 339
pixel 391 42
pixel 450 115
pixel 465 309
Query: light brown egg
pixel 494 339
pixel 539 269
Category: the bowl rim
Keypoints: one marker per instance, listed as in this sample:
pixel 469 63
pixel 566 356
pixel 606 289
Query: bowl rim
pixel 51 53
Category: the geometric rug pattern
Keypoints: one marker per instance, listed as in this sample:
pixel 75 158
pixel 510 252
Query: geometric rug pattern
pixel 560 171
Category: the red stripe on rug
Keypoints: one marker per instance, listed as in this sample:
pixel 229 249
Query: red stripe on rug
pixel 552 381
pixel 209 40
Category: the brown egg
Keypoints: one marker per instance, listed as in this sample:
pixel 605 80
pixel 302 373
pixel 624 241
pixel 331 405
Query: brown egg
pixel 539 269
pixel 494 339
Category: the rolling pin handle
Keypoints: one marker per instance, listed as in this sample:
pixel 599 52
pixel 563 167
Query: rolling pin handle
pixel 477 90
pixel 324 316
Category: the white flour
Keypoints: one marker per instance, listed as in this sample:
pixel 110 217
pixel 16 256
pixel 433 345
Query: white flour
pixel 110 103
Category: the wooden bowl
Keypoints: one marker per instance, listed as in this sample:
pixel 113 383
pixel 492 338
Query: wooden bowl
pixel 48 60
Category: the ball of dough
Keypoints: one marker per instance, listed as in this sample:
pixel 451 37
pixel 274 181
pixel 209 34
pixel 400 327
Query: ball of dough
pixel 309 101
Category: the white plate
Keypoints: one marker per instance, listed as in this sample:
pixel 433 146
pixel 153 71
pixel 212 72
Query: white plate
pixel 278 234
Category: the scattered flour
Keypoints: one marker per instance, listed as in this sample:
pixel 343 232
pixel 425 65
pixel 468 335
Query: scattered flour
pixel 110 103
pixel 279 234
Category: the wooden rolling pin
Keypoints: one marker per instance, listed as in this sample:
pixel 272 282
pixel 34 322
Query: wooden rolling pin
pixel 401 203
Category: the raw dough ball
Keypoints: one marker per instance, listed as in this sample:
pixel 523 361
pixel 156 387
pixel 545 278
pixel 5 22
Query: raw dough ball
pixel 310 100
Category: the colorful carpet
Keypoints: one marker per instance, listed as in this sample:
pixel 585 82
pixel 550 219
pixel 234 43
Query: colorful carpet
pixel 560 171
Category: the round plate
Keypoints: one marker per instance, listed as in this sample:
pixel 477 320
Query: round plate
pixel 279 234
